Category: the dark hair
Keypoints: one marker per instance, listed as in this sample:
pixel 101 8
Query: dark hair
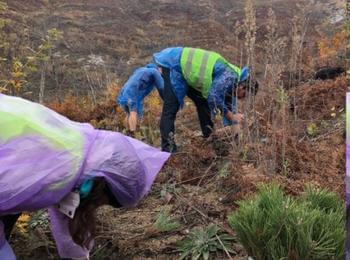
pixel 83 226
pixel 251 85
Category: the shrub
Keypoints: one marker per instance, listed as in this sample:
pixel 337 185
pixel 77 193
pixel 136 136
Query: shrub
pixel 77 109
pixel 322 199
pixel 164 223
pixel 40 219
pixel 275 226
pixel 202 241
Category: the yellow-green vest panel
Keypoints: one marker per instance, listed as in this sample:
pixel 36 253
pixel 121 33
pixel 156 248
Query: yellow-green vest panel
pixel 197 67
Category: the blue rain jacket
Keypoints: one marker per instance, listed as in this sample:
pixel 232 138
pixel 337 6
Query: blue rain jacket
pixel 138 86
pixel 224 79
pixel 232 106
pixel 170 58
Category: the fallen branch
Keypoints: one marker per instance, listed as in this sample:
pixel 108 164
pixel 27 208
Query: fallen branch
pixel 223 246
pixel 206 172
pixel 326 134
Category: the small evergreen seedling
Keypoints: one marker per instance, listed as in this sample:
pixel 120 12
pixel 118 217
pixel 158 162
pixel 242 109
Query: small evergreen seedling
pixel 275 226
pixel 322 199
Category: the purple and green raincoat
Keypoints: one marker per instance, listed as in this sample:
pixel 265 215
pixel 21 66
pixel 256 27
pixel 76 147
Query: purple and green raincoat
pixel 44 156
pixel 347 178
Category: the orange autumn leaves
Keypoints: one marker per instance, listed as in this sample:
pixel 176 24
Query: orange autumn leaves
pixel 329 47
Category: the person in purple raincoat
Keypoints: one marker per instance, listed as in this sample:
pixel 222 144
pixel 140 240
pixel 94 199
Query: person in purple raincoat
pixel 49 161
pixel 347 177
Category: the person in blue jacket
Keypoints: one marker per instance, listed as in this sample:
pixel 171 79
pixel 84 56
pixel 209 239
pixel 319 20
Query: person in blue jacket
pixel 138 86
pixel 208 79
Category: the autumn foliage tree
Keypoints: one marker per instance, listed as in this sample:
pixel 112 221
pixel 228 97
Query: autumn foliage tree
pixel 39 61
pixel 330 48
pixel 14 79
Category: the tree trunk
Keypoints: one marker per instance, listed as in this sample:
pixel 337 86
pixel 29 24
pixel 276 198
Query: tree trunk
pixel 42 84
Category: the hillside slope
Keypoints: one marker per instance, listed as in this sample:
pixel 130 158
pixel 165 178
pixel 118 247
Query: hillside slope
pixel 115 36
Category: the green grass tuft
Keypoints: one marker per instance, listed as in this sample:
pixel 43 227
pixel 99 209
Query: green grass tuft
pixel 275 226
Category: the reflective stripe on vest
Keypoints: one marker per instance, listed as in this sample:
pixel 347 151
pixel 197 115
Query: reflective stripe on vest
pixel 197 67
pixel 237 70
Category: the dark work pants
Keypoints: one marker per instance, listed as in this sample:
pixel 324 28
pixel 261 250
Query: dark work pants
pixel 170 108
pixel 203 111
pixel 9 221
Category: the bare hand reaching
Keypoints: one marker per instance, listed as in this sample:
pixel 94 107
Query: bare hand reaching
pixel 238 117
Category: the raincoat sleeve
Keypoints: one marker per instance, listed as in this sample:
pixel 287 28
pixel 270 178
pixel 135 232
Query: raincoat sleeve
pixel 135 106
pixel 128 96
pixel 120 98
pixel 221 84
pixel 64 241
pixel 159 83
pixel 131 91
pixel 347 177
pixel 6 252
pixel 232 107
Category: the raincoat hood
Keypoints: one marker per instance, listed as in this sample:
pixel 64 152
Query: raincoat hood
pixel 128 165
pixel 44 156
pixel 244 74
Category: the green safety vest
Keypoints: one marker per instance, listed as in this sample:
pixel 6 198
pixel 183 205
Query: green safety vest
pixel 197 67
